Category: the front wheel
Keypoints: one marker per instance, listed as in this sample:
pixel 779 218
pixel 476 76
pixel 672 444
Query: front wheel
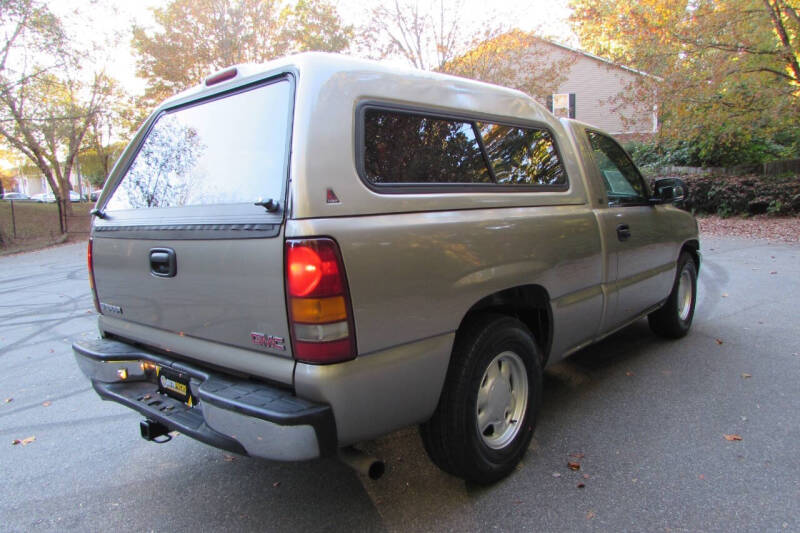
pixel 674 318
pixel 487 412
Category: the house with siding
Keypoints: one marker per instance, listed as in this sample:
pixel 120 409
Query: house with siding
pixel 32 182
pixel 599 92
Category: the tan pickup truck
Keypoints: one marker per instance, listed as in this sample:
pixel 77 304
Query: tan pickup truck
pixel 297 256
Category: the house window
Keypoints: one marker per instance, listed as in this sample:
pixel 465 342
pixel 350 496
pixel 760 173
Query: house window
pixel 562 104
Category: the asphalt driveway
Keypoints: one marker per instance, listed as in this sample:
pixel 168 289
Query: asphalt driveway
pixel 645 419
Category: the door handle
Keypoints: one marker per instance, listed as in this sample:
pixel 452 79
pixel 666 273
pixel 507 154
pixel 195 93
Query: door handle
pixel 623 232
pixel 163 262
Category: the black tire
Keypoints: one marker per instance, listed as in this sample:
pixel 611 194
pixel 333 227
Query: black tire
pixel 451 437
pixel 673 319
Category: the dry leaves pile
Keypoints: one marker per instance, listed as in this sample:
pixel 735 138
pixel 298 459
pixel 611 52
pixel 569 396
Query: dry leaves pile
pixel 775 229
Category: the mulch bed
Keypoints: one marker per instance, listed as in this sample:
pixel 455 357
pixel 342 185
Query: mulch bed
pixel 773 229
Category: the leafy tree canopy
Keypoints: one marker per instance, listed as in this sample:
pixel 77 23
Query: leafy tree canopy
pixel 48 97
pixel 513 59
pixel 427 36
pixel 196 37
pixel 726 73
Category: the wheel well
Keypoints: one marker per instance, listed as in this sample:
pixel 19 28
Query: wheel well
pixel 530 304
pixel 693 248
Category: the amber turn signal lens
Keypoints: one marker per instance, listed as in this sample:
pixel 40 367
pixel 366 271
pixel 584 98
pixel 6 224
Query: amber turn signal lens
pixel 318 302
pixel 319 310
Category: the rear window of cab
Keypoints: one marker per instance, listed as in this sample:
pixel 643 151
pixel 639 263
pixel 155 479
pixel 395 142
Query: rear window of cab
pixel 402 149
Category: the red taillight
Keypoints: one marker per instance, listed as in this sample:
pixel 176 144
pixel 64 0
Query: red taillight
pixel 319 302
pixel 304 270
pixel 91 276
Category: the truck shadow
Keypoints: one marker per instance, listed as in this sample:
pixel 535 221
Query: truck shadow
pixel 216 490
pixel 593 362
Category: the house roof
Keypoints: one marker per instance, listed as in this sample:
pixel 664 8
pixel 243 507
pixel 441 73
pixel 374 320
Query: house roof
pixel 597 58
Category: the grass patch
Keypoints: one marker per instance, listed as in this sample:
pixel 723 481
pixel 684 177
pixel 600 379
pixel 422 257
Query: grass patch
pixel 35 224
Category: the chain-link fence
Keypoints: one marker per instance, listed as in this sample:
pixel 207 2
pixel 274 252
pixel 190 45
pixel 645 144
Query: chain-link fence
pixel 25 222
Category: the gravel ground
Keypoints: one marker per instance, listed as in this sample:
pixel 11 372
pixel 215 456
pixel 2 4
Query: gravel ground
pixel 772 229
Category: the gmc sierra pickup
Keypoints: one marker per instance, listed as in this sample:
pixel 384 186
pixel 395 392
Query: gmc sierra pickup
pixel 294 257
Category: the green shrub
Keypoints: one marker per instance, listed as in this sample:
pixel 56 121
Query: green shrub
pixel 712 150
pixel 743 195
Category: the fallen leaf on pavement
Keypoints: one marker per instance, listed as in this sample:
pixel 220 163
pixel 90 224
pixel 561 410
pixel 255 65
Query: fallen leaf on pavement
pixel 45 404
pixel 574 465
pixel 732 437
pixel 719 341
pixel 745 375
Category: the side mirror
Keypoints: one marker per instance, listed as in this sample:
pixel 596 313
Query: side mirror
pixel 669 190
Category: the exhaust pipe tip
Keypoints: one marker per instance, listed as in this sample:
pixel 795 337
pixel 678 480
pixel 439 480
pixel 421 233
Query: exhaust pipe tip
pixel 362 463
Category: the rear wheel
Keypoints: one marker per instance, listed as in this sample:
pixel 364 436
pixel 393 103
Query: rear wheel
pixel 487 412
pixel 674 318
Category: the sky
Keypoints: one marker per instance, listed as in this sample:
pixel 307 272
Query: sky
pixel 108 22
pixel 113 19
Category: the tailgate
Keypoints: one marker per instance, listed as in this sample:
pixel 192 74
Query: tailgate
pixel 227 291
pixel 190 236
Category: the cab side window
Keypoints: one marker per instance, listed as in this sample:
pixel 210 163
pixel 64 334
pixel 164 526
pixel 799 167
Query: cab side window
pixel 624 185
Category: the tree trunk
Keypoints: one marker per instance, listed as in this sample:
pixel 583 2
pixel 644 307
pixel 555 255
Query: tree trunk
pixel 776 13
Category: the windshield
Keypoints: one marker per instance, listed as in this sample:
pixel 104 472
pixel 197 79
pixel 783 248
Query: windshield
pixel 223 151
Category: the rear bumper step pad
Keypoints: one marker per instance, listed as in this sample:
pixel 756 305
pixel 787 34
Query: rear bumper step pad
pixel 234 414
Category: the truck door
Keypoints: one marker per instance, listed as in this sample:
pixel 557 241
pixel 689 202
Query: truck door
pixel 634 230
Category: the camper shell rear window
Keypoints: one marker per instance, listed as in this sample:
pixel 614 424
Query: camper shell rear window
pixel 229 149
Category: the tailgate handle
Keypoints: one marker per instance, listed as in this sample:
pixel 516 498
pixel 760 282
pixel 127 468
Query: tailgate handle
pixel 163 262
